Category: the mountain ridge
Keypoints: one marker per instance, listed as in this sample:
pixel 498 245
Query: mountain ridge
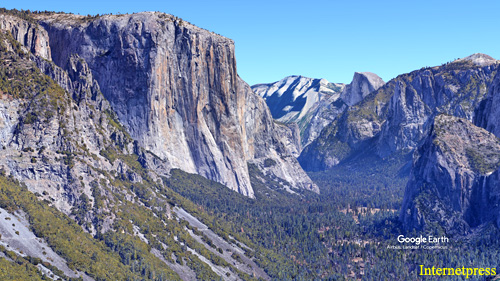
pixel 310 103
pixel 454 179
pixel 77 175
pixel 71 167
pixel 396 117
pixel 187 132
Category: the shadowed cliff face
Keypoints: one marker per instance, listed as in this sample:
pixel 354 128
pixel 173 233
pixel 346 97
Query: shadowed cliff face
pixel 398 116
pixel 63 142
pixel 54 126
pixel 313 104
pixel 176 89
pixel 488 114
pixel 454 184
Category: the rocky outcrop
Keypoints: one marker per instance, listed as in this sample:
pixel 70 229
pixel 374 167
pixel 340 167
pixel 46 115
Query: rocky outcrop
pixel 291 137
pixel 310 103
pixel 488 114
pixel 62 141
pixel 478 59
pixel 457 88
pixel 454 183
pixel 175 88
pixel 362 84
pixel 29 34
pixel 396 117
pixel 54 130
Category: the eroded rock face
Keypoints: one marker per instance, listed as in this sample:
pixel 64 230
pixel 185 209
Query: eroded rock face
pixel 488 114
pixel 362 84
pixel 398 116
pixel 175 88
pixel 60 137
pixel 454 183
pixel 29 34
pixel 54 130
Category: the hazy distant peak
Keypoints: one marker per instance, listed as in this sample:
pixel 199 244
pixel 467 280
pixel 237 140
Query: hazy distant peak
pixel 479 59
pixel 362 84
pixel 370 75
pixel 307 102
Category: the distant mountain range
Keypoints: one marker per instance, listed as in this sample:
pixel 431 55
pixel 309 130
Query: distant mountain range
pixel 339 122
pixel 132 150
pixel 312 104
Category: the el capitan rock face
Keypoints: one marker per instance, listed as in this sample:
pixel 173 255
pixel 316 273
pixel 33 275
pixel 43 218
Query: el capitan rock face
pixel 454 183
pixel 68 166
pixel 175 88
pixel 55 126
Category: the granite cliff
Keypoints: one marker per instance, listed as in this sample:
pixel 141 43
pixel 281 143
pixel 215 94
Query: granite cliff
pixel 70 171
pixel 313 104
pixel 398 116
pixel 454 183
pixel 488 113
pixel 175 89
pixel 28 33
pixel 363 83
pixel 455 174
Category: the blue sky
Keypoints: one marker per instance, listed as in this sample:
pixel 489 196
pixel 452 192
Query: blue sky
pixel 325 39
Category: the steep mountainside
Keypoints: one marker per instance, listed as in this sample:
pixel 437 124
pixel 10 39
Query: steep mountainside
pixel 455 179
pixel 396 117
pixel 362 84
pixel 81 198
pixel 28 33
pixel 175 88
pixel 310 103
pixel 313 104
pixel 488 114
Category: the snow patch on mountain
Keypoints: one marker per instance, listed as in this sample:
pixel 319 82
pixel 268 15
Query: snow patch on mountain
pixel 308 102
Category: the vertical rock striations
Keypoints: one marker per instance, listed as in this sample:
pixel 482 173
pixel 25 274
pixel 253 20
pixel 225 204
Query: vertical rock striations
pixel 175 88
pixel 29 34
pixel 362 84
pixel 54 127
pixel 61 139
pixel 488 114
pixel 398 116
pixel 454 183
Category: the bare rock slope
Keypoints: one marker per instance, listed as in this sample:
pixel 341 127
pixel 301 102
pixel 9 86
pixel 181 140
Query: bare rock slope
pixel 310 103
pixel 74 171
pixel 398 116
pixel 176 89
pixel 454 184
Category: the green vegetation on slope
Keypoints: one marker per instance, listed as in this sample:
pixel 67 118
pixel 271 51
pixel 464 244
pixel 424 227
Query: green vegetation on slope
pixel 120 210
pixel 80 249
pixel 341 234
pixel 282 227
pixel 20 269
